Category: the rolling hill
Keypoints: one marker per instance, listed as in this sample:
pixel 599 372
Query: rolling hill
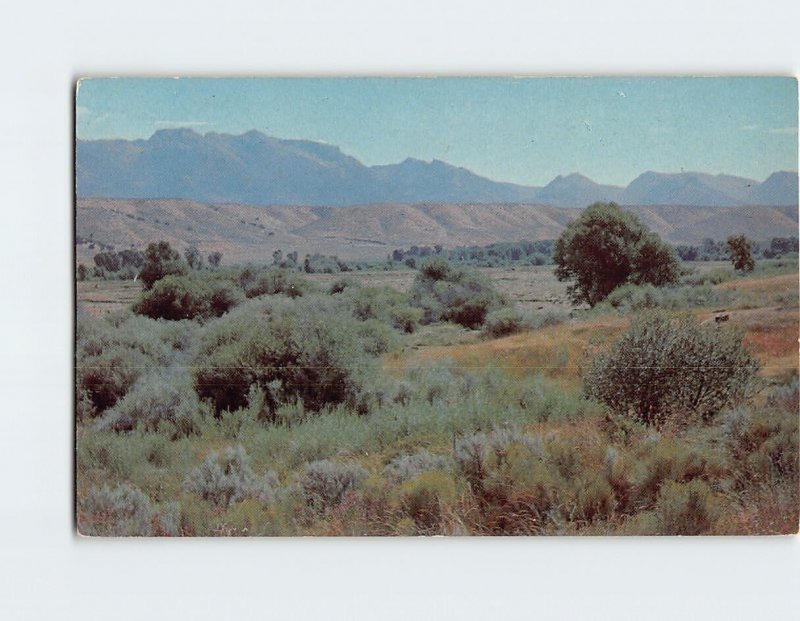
pixel 250 233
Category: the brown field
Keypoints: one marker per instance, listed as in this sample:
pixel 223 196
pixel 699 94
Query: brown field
pixel 101 297
pixel 530 287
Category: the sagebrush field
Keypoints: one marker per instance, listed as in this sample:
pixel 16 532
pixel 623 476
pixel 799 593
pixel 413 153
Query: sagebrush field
pixel 436 400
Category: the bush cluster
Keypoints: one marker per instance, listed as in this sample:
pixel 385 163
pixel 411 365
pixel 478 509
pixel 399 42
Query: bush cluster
pixel 307 349
pixel 272 281
pixel 447 293
pixel 157 403
pixel 227 479
pixel 324 483
pixel 671 368
pixel 187 297
pixel 111 355
pixel 405 467
pixel 123 511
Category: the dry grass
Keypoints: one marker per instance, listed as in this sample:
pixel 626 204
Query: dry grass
pixel 100 297
pixel 763 286
pixel 556 351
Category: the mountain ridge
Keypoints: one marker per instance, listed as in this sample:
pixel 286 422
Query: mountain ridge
pixel 256 169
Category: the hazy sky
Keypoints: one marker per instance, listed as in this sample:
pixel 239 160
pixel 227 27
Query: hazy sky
pixel 521 130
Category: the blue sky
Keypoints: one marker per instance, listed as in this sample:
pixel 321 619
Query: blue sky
pixel 524 130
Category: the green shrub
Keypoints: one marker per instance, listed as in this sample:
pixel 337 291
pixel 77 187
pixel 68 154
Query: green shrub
pixel 340 284
pixel 164 403
pixel 406 467
pixel 324 483
pixel 685 508
pixel 595 499
pixel 250 518
pixel 503 322
pixel 187 297
pixel 664 368
pixel 275 281
pixel 123 511
pixel 763 443
pixel 422 498
pixel 714 276
pixel 306 349
pixel 376 337
pixel 226 479
pixel 111 354
pixel 636 297
pixel 406 318
pixel 663 460
pixel 446 293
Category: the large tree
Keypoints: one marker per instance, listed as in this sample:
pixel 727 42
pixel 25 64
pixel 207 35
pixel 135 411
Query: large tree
pixel 607 247
pixel 160 260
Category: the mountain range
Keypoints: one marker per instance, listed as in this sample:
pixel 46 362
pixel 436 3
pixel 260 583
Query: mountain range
pixel 256 169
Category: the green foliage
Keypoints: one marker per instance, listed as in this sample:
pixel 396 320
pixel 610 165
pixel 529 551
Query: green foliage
pixel 494 255
pixel 227 478
pixel 108 261
pixel 111 357
pixel 376 337
pixel 606 247
pixel 632 297
pixel 187 297
pixel 214 259
pixel 664 368
pixel 503 322
pixel 763 443
pixel 406 467
pixel 193 257
pixel 406 318
pixel 324 483
pixel 685 508
pixel 382 304
pixel 446 293
pixel 740 251
pixel 163 402
pixel 273 281
pixel 160 260
pixel 423 496
pixel 306 349
pixel 123 511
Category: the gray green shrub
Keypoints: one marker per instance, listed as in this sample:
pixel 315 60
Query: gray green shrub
pixel 123 511
pixel 227 478
pixel 685 508
pixel 405 467
pixel 324 483
pixel 447 293
pixel 188 297
pixel 309 346
pixel 664 368
pixel 164 402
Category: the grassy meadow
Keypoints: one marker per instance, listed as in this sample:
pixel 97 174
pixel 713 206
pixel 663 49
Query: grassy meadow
pixel 382 403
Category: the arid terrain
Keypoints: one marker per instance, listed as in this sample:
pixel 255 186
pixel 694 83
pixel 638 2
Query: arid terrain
pixel 247 233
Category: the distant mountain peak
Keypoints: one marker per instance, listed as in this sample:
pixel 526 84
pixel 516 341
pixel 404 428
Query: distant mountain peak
pixel 256 169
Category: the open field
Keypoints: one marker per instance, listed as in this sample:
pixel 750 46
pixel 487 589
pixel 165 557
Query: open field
pixel 532 287
pixel 101 297
pixel 447 430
